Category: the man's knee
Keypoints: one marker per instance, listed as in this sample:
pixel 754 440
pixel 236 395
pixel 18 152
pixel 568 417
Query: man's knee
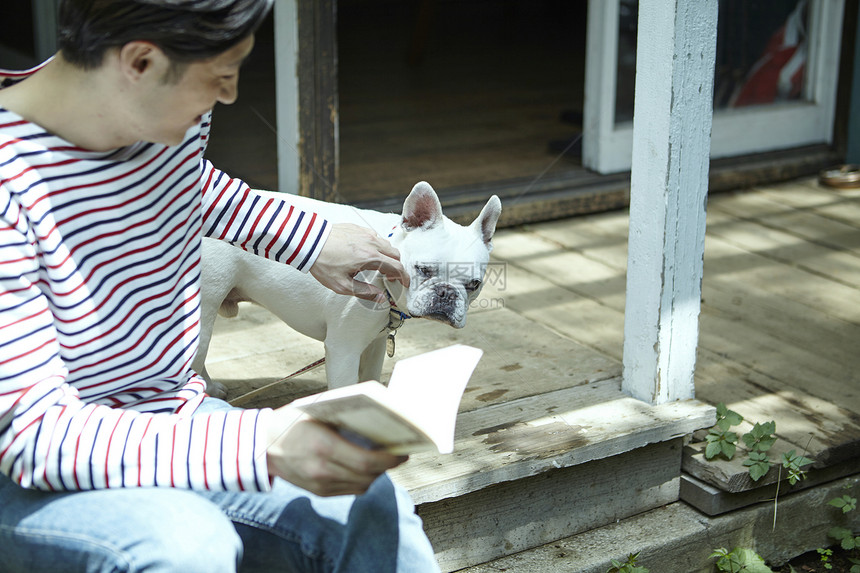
pixel 195 537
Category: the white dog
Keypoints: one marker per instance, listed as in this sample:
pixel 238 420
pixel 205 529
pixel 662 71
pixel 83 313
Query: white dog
pixel 446 263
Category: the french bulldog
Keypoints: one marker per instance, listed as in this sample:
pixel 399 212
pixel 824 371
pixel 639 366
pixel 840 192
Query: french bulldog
pixel 446 262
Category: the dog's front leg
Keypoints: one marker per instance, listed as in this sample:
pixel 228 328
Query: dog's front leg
pixel 370 366
pixel 341 361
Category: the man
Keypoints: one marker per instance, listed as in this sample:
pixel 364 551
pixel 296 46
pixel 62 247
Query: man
pixel 111 456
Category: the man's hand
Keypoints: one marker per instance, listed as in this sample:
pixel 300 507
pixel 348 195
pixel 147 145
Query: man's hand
pixel 351 249
pixel 316 458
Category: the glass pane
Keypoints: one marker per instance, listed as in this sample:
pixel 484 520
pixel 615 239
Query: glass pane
pixel 762 52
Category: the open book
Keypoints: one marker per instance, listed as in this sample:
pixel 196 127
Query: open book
pixel 417 411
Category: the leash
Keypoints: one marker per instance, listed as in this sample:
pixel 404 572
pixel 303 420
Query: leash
pixel 395 321
pixel 244 398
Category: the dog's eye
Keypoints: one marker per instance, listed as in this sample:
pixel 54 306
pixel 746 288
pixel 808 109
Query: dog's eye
pixel 473 285
pixel 426 271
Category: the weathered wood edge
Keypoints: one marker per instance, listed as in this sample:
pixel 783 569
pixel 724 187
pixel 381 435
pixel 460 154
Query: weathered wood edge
pixel 532 435
pixel 715 501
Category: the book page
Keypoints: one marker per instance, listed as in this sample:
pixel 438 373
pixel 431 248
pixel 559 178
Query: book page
pixel 417 411
pixel 365 417
pixel 428 388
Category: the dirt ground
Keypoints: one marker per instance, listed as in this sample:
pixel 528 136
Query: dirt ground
pixel 811 563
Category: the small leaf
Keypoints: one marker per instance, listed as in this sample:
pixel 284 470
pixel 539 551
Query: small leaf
pixel 722 551
pixel 750 561
pixel 846 503
pixel 730 417
pixel 839 533
pixel 759 470
pixel 712 450
pixel 734 418
pixel 837 502
pixel 729 449
pixel 765 443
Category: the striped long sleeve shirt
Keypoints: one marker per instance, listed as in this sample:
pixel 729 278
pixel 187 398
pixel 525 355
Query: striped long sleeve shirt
pixel 99 311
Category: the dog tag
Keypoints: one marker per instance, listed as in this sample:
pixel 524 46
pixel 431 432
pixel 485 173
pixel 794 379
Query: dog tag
pixel 389 344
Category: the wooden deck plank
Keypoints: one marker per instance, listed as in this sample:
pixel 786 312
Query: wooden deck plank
pixel 837 204
pixel 543 362
pixel 579 318
pixel 726 261
pixel 600 237
pixel 526 437
pixel 765 352
pixel 760 331
pixel 805 225
pixel 572 270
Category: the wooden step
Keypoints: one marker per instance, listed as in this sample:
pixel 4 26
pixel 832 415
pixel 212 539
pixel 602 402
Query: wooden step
pixel 543 467
pixel 678 539
pixel 815 428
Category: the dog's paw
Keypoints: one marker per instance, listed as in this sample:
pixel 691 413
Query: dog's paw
pixel 216 390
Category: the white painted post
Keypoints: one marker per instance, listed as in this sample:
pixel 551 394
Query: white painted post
pixel 669 182
pixel 287 94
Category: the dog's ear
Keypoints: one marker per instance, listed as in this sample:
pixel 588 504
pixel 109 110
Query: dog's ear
pixel 421 208
pixel 485 224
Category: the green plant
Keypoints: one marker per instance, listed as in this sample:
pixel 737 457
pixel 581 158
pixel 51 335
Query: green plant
pixel 760 438
pixel 758 441
pixel 739 559
pixel 846 503
pixel 794 464
pixel 720 439
pixel 628 566
pixel 826 554
pixel 845 537
pixel 759 464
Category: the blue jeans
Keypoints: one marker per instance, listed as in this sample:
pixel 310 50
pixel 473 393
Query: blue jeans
pixel 171 530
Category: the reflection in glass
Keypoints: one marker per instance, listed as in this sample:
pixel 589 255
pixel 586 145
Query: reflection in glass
pixel 762 54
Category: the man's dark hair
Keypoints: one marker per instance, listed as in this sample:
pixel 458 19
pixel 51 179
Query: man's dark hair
pixel 185 30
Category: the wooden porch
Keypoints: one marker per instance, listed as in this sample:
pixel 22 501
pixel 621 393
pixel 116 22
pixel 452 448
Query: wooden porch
pixel 549 447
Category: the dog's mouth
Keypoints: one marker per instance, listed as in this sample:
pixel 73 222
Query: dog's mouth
pixel 445 316
pixel 441 317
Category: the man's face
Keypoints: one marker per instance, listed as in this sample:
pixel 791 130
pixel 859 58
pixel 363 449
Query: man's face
pixel 171 106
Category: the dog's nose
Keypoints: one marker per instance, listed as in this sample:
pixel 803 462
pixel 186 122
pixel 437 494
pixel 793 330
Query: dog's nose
pixel 445 292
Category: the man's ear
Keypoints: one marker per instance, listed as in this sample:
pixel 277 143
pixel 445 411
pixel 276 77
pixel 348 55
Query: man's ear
pixel 140 59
